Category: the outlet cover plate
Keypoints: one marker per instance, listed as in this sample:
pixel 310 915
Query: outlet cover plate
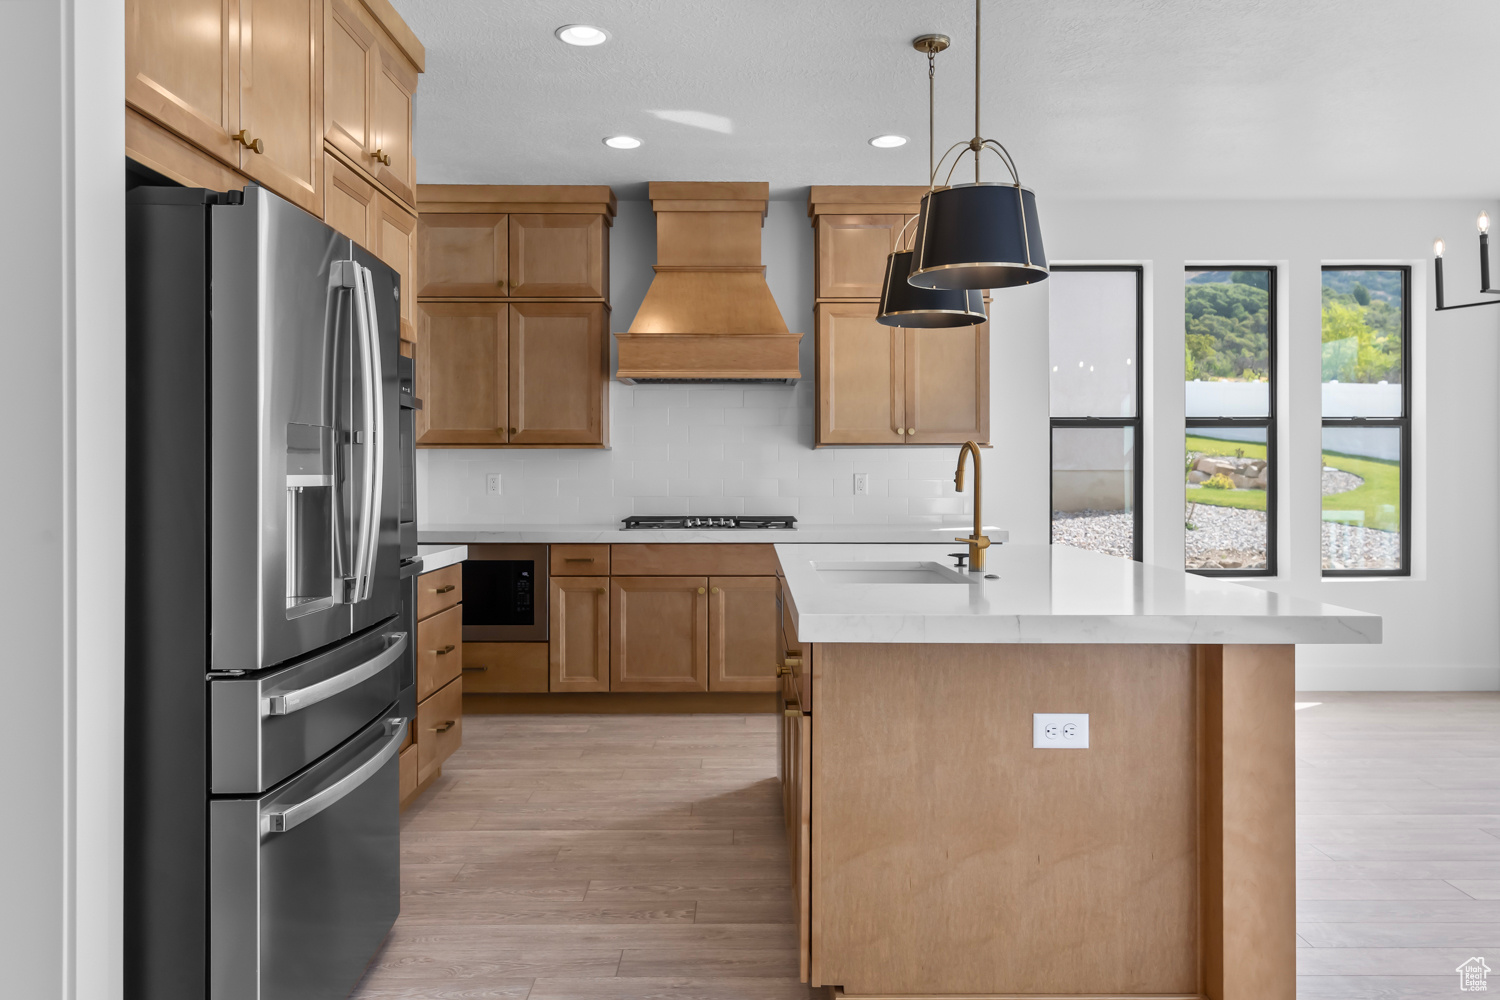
pixel 1060 731
pixel 861 484
pixel 492 484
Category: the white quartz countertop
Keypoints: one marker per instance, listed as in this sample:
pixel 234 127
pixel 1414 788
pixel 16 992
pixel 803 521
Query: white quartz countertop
pixel 1046 594
pixel 441 556
pixel 563 534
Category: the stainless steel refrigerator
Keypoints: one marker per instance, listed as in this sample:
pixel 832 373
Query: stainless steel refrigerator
pixel 266 659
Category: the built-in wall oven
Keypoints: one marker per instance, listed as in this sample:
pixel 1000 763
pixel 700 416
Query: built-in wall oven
pixel 406 424
pixel 505 593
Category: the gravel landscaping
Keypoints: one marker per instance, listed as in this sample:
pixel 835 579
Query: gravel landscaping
pixel 1108 531
pixel 1347 546
pixel 1339 481
pixel 1226 538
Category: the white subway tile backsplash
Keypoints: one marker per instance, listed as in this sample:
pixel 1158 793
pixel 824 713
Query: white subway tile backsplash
pixel 696 488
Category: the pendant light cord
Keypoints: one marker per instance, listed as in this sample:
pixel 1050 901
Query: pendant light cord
pixel 931 134
pixel 977 133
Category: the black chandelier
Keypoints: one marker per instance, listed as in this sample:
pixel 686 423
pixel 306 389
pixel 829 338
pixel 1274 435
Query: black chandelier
pixel 906 305
pixel 980 235
pixel 1483 224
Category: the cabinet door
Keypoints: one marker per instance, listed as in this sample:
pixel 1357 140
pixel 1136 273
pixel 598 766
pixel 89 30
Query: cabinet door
pixel 349 60
pixel 440 728
pixel 559 373
pixel 948 385
pixel 851 254
pixel 390 118
pixel 553 255
pixel 393 239
pixel 348 203
pixel 281 97
pixel 461 256
pixel 182 68
pixel 461 373
pixel 658 633
pixel 861 376
pixel 798 800
pixel 744 630
pixel 578 659
pixel 439 641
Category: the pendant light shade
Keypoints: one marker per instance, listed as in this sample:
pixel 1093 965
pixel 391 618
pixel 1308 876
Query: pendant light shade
pixel 903 304
pixel 976 236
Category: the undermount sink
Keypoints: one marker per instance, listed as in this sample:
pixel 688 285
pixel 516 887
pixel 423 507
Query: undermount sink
pixel 888 572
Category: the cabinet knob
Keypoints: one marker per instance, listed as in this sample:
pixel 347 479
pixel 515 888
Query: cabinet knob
pixel 381 156
pixel 715 590
pixel 513 430
pixel 243 138
pixel 700 590
pixel 792 661
pixel 901 431
pixel 911 430
pixel 783 671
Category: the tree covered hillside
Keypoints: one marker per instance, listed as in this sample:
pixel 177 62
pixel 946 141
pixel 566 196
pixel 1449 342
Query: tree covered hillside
pixel 1226 326
pixel 1362 326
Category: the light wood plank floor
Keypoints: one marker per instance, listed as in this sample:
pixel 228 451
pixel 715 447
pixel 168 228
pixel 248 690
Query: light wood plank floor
pixel 614 857
pixel 1398 843
pixel 597 858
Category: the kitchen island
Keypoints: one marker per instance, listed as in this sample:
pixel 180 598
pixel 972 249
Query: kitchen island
pixel 946 843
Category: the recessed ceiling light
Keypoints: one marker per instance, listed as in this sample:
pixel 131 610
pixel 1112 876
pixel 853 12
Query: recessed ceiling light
pixel 888 141
pixel 622 142
pixel 582 34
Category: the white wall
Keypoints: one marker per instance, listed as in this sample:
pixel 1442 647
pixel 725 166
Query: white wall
pixel 1442 630
pixel 61 604
pixel 748 450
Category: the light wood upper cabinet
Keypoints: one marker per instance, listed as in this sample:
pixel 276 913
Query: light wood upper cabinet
pixel 948 385
pixel 393 233
pixel 861 376
pixel 395 83
pixel 578 657
pixel 349 204
pixel 462 256
pixel 559 373
pixel 462 366
pixel 658 633
pixel 281 97
pixel 182 68
pixel 349 66
pixel 744 630
pixel 558 255
pixel 852 250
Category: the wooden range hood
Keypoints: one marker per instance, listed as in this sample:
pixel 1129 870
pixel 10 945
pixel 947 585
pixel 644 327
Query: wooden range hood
pixel 709 315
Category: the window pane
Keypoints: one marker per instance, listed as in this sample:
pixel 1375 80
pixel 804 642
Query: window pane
pixel 1228 346
pixel 1092 343
pixel 1093 488
pixel 1363 320
pixel 1228 482
pixel 1362 498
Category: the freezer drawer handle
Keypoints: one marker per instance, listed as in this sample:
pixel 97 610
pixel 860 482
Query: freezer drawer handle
pixel 295 701
pixel 289 817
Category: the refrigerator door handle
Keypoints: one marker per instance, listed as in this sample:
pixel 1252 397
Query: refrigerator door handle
pixel 365 552
pixel 375 401
pixel 304 697
pixel 281 818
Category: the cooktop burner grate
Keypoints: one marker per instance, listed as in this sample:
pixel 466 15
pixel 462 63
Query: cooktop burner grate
pixel 746 521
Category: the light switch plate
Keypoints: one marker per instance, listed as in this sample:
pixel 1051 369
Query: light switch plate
pixel 1064 731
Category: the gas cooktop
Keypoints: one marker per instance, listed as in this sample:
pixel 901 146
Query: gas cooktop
pixel 748 521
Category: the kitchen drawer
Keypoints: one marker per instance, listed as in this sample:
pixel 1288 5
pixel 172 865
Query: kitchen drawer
pixel 672 559
pixel 440 641
pixel 440 728
pixel 505 668
pixel 439 590
pixel 580 560
pixel 408 778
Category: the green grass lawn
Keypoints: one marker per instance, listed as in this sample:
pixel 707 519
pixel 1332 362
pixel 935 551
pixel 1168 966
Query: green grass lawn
pixel 1238 499
pixel 1381 488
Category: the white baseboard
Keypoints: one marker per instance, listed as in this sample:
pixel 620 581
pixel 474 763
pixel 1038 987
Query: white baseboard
pixel 1473 677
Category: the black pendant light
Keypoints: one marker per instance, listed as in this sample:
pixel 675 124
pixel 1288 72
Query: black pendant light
pixel 980 235
pixel 906 305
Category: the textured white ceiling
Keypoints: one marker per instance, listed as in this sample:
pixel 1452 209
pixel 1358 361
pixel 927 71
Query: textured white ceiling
pixel 1106 98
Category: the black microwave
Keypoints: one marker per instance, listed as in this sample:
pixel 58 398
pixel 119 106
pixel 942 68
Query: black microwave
pixel 505 593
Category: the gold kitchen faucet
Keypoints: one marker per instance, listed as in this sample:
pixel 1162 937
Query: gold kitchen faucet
pixel 977 541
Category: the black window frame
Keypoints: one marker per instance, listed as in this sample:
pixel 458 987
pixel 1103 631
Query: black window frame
pixel 1401 423
pixel 1137 422
pixel 1267 422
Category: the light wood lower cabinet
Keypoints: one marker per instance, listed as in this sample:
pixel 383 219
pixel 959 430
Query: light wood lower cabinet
pixel 578 659
pixel 437 730
pixel 743 633
pixel 439 651
pixel 408 770
pixel 440 728
pixel 659 633
pixel 796 800
pixel 505 667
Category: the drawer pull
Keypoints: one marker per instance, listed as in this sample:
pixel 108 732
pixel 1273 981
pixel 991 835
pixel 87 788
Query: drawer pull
pixel 445 588
pixel 445 650
pixel 479 668
pixel 578 558
pixel 443 727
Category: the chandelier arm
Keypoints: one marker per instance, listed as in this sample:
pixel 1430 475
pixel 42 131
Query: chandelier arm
pixel 899 236
pixel 1005 158
pixel 932 181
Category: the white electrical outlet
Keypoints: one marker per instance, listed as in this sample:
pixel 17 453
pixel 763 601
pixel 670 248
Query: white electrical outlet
pixel 1068 731
pixel 861 484
pixel 492 484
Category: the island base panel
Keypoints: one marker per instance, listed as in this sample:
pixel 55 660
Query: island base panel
pixel 949 858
